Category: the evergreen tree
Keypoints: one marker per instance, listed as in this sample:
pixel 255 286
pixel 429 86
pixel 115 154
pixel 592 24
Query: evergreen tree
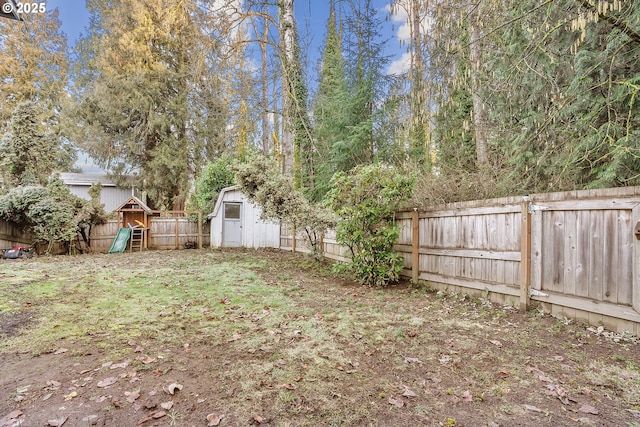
pixel 29 152
pixel 33 66
pixel 148 101
pixel 365 61
pixel 329 112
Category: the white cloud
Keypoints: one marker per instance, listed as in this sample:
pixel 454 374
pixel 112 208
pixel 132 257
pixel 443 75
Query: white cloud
pixel 399 15
pixel 400 66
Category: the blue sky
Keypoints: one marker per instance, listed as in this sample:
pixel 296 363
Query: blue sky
pixel 311 15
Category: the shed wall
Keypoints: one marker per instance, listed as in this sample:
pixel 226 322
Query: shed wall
pixel 256 233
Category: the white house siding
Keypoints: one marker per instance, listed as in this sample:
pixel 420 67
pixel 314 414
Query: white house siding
pixel 256 233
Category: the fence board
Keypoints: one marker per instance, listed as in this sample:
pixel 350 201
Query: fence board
pixel 583 225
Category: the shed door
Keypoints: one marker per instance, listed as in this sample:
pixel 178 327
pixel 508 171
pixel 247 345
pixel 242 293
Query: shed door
pixel 232 225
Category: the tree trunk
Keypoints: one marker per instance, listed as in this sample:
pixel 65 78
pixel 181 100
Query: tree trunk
pixel 287 57
pixel 265 88
pixel 479 112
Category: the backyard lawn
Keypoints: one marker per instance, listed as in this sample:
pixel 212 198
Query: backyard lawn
pixel 270 338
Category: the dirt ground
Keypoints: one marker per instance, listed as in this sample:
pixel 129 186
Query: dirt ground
pixel 287 343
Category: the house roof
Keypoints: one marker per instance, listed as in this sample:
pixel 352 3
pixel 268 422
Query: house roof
pixel 85 179
pixel 216 209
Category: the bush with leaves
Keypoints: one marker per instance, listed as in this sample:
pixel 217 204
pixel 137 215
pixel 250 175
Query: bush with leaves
pixel 214 177
pixel 274 192
pixel 365 199
pixel 51 213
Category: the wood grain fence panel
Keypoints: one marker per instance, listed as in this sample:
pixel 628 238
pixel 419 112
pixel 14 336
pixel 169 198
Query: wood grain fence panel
pixel 570 252
pixel 404 225
pixel 635 222
pixel 596 255
pixel 626 258
pixel 547 261
pixel 610 256
pixel 583 250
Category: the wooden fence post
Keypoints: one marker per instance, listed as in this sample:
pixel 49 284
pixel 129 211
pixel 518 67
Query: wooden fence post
pixel 199 229
pixel 177 234
pixel 525 255
pixel 293 240
pixel 415 245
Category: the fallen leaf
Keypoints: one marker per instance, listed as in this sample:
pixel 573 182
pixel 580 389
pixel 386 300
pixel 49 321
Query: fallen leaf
pixel 588 409
pixel 53 385
pixel 45 397
pixel 138 349
pixel 132 396
pixel 445 359
pixel 146 359
pixel 545 378
pixel 467 396
pixel 235 337
pixel 396 402
pixel 167 405
pixel 288 386
pixel 409 393
pixel 532 408
pixel 107 382
pixel 10 416
pixel 152 416
pixel 634 412
pixel 70 395
pixel 58 422
pixel 214 419
pixel 23 390
pixel 171 388
pixel 256 420
pixel 496 343
pixel 121 365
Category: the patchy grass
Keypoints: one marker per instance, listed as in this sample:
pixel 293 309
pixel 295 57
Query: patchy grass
pixel 273 338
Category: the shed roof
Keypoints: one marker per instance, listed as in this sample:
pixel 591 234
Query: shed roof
pixel 216 209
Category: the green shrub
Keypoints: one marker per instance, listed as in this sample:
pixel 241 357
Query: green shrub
pixel 274 192
pixel 214 177
pixel 365 199
pixel 50 212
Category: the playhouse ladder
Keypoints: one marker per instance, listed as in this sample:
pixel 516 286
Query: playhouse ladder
pixel 137 239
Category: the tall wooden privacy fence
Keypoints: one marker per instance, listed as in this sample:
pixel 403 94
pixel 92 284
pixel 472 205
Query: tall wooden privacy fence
pixel 575 254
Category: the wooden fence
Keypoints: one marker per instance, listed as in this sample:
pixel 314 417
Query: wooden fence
pixel 575 254
pixel 11 235
pixel 163 233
